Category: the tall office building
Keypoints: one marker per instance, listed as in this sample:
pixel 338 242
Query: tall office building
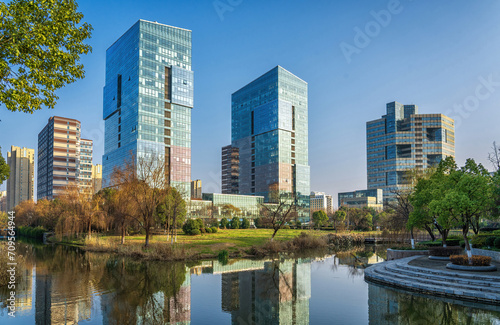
pixel 269 126
pixel 196 189
pixel 21 181
pixel 64 158
pixel 230 169
pixel 148 99
pixel 3 201
pixel 402 140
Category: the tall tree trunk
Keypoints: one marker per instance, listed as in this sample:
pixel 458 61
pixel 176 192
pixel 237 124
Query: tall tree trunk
pixel 412 239
pixel 146 244
pixel 123 233
pixel 431 233
pixel 90 230
pixel 465 230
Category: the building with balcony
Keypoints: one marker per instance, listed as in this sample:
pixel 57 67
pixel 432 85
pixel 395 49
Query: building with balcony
pixel 230 169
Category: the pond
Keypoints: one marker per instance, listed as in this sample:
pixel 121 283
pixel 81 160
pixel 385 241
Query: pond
pixel 62 285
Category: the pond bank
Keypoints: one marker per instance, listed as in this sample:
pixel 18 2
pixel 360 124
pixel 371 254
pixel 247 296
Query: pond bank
pixel 243 243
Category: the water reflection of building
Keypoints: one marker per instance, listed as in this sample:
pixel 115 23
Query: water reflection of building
pixel 274 292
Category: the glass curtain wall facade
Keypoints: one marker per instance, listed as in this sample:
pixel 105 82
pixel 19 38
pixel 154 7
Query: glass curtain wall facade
pixel 148 99
pixel 403 140
pixel 269 126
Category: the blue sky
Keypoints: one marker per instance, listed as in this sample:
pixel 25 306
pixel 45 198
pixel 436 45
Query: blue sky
pixel 442 56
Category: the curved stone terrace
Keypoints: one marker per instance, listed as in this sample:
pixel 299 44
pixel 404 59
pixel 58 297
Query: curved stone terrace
pixel 418 273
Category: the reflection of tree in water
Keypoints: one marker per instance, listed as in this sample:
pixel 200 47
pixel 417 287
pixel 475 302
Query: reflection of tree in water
pixel 396 307
pixel 148 293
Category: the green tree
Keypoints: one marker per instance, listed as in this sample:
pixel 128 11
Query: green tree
pixel 4 168
pixel 224 223
pixel 338 216
pixel 245 224
pixel 40 47
pixel 172 212
pixel 235 223
pixel 278 214
pixel 192 226
pixel 467 197
pixel 319 218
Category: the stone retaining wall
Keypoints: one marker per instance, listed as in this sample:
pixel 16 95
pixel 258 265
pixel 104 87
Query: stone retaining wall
pixel 393 254
pixel 495 256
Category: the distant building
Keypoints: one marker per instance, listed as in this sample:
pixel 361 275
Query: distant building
pixel 64 158
pixel 21 181
pixel 269 126
pixel 196 189
pixel 3 201
pixel 249 206
pixel 85 173
pixel 96 178
pixel 403 140
pixel 321 201
pixel 372 198
pixel 230 169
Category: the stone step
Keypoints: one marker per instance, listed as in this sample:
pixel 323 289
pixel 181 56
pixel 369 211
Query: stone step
pixel 416 272
pixel 478 276
pixel 438 282
pixel 439 290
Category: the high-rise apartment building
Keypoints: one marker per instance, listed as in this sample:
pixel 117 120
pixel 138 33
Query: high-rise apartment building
pixel 321 201
pixel 21 181
pixel 148 99
pixel 64 158
pixel 230 169
pixel 85 173
pixel 403 140
pixel 96 178
pixel 269 126
pixel 196 189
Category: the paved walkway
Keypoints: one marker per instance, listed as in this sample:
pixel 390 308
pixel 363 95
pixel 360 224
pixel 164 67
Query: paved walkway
pixel 418 273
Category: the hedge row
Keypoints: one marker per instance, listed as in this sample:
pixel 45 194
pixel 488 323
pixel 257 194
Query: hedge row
pixel 36 233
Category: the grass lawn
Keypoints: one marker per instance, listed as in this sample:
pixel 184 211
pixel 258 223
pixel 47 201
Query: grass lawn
pixel 228 239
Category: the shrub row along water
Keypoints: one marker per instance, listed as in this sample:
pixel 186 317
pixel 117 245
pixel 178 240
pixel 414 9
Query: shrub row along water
pixel 35 233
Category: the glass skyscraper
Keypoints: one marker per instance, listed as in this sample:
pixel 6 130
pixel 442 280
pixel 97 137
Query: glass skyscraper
pixel 402 140
pixel 148 99
pixel 269 126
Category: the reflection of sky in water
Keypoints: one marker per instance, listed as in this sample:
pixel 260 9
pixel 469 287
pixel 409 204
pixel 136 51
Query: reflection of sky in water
pixel 64 286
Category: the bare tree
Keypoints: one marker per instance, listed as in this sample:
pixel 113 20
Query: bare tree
pixel 281 212
pixel 145 179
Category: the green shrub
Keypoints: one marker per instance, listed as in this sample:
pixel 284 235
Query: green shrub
pixel 235 223
pixel 223 257
pixel 203 230
pixel 286 227
pixel 462 243
pixel 208 230
pixel 490 241
pixel 224 223
pixel 479 240
pixel 452 242
pixel 245 224
pixel 214 229
pixel 298 224
pixel 191 225
pixel 497 242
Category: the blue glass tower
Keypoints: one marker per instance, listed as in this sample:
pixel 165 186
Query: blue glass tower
pixel 148 99
pixel 269 126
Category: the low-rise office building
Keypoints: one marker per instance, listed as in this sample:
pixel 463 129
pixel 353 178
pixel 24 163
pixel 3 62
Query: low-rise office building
pixel 249 206
pixel 371 198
